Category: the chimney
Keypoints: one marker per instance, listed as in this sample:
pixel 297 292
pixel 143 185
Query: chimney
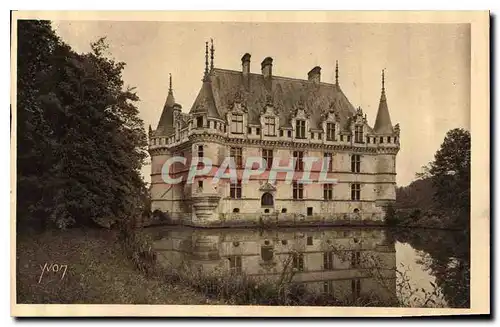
pixel 314 75
pixel 245 63
pixel 267 67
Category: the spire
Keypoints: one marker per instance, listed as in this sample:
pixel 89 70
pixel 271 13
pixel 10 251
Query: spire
pixel 337 72
pixel 383 123
pixel 170 97
pixel 212 50
pixel 383 83
pixel 205 76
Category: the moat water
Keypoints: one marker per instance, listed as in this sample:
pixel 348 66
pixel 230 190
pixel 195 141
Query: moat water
pixel 386 267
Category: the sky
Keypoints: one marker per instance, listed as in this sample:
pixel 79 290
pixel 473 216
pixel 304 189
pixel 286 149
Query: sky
pixel 427 67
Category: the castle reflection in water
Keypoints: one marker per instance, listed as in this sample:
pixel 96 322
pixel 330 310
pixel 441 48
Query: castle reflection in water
pixel 343 263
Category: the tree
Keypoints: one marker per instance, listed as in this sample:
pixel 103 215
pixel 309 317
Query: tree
pixel 91 141
pixel 450 173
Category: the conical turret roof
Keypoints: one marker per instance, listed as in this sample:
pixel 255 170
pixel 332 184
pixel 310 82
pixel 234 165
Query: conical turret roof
pixel 383 124
pixel 166 123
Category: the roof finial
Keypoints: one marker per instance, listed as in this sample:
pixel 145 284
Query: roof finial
pixel 336 72
pixel 383 81
pixel 206 61
pixel 212 50
pixel 170 83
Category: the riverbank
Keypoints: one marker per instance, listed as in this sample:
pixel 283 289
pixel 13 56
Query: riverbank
pixel 88 266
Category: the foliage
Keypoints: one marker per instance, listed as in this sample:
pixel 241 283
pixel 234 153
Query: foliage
pixel 390 216
pixel 81 143
pixel 441 194
pixel 450 173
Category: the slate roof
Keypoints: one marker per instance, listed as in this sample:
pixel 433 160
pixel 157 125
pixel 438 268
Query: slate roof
pixel 166 122
pixel 219 91
pixel 383 124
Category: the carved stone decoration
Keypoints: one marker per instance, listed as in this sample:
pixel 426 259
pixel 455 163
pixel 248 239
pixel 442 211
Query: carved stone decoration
pixel 396 129
pixel 267 187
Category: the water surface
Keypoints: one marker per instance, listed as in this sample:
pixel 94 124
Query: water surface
pixel 414 268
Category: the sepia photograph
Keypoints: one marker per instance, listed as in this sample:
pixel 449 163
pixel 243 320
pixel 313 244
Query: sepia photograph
pixel 223 162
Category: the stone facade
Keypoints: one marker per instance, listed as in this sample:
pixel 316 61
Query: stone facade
pixel 240 114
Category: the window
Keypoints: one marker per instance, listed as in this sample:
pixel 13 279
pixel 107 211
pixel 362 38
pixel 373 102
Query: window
pixel 235 190
pixel 281 133
pixel 266 211
pixel 355 163
pixel 249 130
pixel 355 192
pixel 327 191
pixel 328 287
pixel 388 139
pixel 269 126
pixel 298 191
pixel 237 124
pixel 309 211
pixel 267 155
pixel 341 138
pixel 199 122
pixel 299 163
pixel 258 131
pixel 312 135
pixel 267 200
pixel 358 134
pixel 355 259
pixel 236 210
pixel 300 129
pixel 309 240
pixel 236 154
pixel 367 139
pixel 283 210
pixel 355 288
pixel 381 139
pixel 200 151
pixel 200 184
pixel 328 157
pixel 298 261
pixel 348 138
pixel 289 133
pixel 328 260
pixel 330 131
pixel 235 264
pixel 266 253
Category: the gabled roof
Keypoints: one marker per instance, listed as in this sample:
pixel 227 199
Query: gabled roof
pixel 221 88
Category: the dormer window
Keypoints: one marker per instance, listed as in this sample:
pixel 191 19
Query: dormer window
pixel 300 129
pixel 330 131
pixel 237 124
pixel 358 134
pixel 269 126
pixel 199 122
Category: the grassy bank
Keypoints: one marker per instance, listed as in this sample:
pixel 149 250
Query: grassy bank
pixel 98 272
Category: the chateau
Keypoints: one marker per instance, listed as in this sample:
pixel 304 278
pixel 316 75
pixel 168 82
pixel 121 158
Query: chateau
pixel 241 114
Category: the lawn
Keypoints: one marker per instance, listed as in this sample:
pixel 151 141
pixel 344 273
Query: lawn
pixel 97 272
